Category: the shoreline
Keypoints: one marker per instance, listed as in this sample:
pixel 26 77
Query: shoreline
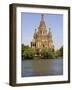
pixel 61 58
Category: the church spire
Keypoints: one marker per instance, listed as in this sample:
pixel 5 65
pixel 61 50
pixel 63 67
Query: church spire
pixel 42 26
pixel 42 17
pixel 49 33
pixel 35 30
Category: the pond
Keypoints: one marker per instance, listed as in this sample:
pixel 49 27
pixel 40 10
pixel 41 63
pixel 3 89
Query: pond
pixel 42 67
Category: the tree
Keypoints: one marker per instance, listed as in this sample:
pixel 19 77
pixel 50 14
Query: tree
pixel 61 51
pixel 44 53
pixel 27 52
pixel 57 53
pixel 47 53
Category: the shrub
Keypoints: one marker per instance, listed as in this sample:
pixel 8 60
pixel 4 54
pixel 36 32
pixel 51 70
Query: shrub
pixel 47 53
pixel 28 53
pixel 61 51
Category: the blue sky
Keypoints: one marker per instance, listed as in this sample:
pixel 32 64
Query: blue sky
pixel 30 21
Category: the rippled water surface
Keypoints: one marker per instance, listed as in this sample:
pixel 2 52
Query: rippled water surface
pixel 42 67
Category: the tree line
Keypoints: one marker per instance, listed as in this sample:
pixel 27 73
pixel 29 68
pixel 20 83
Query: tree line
pixel 30 53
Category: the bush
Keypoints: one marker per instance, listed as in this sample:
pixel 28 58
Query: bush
pixel 61 51
pixel 28 53
pixel 47 53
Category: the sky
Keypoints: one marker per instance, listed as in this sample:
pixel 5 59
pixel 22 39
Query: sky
pixel 30 21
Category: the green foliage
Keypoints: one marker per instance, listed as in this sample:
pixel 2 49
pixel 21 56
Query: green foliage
pixel 24 47
pixel 27 52
pixel 47 53
pixel 57 53
pixel 61 51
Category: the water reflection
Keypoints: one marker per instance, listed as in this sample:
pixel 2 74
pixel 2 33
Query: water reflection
pixel 42 67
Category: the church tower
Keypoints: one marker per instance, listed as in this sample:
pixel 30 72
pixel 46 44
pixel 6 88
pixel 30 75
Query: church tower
pixel 42 26
pixel 50 41
pixel 42 38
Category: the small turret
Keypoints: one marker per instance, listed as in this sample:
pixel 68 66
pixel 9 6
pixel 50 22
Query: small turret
pixel 49 33
pixel 35 34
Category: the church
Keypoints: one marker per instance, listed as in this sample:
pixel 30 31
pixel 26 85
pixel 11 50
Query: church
pixel 42 37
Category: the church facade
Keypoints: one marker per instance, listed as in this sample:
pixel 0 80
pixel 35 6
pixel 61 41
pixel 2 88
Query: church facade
pixel 42 37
